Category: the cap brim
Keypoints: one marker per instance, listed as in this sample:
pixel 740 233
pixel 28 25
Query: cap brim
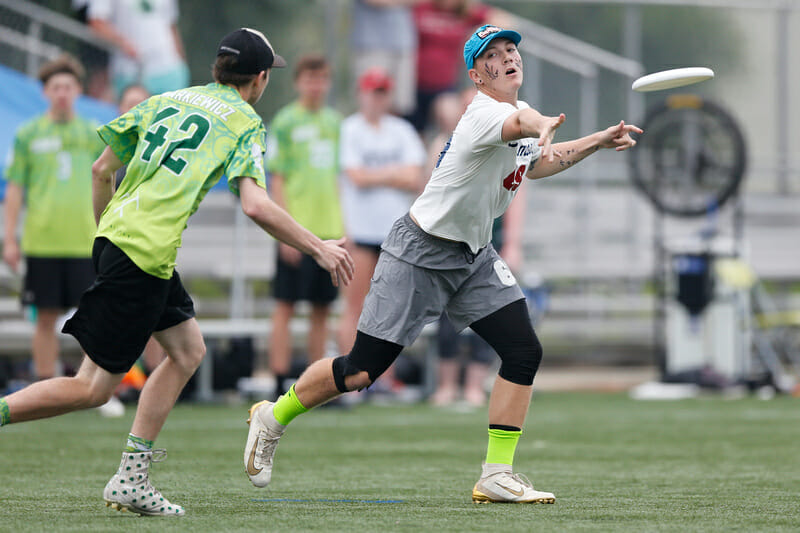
pixel 511 35
pixel 278 62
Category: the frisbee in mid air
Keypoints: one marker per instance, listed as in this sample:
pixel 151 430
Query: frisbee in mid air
pixel 669 79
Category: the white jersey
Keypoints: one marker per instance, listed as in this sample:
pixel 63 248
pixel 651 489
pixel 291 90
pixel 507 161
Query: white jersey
pixel 477 175
pixel 148 25
pixel 369 212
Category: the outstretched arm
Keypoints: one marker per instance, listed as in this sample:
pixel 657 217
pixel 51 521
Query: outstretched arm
pixel 330 255
pixel 530 123
pixel 569 153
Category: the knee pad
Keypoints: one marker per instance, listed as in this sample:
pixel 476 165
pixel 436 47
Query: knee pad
pixel 520 363
pixel 369 354
pixel 343 367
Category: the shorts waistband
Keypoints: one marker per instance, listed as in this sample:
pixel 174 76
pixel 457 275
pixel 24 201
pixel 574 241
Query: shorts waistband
pixel 413 226
pixel 458 246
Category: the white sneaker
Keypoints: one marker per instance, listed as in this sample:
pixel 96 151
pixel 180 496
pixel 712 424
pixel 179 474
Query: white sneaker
pixel 130 488
pixel 262 439
pixel 113 408
pixel 506 487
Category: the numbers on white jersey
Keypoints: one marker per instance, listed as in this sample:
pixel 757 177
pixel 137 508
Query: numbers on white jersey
pixel 504 273
pixel 514 180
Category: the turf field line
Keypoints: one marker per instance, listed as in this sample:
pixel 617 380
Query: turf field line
pixel 323 500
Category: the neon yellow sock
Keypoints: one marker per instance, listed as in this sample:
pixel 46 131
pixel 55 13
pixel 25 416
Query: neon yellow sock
pixel 502 445
pixel 288 407
pixel 5 416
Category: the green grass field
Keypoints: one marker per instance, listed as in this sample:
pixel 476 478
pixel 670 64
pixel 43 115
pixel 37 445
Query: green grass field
pixel 614 465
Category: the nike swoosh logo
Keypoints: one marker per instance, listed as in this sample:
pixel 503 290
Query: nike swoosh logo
pixel 251 462
pixel 519 492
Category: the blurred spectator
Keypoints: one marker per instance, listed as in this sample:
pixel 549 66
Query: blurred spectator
pixel 131 96
pixel 50 168
pixel 442 27
pixel 303 161
pixel 382 158
pixel 382 34
pixel 150 49
pixel 94 59
pixel 506 237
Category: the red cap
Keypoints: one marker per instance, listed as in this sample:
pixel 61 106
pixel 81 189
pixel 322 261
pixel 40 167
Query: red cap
pixel 374 79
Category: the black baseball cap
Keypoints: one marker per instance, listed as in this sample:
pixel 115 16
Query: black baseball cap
pixel 253 50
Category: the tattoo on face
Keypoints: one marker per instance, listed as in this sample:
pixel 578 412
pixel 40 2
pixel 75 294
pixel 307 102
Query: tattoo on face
pixel 492 73
pixel 518 63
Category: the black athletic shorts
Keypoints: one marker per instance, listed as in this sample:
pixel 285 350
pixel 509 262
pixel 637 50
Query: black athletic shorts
pixel 372 247
pixel 307 281
pixel 56 282
pixel 123 307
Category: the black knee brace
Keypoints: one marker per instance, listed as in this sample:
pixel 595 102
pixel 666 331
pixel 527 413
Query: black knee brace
pixel 520 362
pixel 369 354
pixel 343 367
pixel 510 333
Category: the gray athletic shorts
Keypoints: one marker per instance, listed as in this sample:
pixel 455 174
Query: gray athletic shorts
pixel 418 276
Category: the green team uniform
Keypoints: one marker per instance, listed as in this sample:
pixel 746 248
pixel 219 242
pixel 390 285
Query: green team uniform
pixel 304 150
pixel 176 145
pixel 52 161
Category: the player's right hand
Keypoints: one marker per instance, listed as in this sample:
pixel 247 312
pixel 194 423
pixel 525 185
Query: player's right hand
pixel 335 259
pixel 546 133
pixel 11 254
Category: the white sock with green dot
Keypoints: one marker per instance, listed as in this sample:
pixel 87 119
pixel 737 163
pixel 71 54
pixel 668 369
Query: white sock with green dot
pixel 138 444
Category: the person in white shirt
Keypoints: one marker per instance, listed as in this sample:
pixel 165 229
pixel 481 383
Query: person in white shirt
pixel 382 158
pixel 150 49
pixel 439 257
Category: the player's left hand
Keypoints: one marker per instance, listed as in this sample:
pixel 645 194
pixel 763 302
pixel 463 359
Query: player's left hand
pixel 619 136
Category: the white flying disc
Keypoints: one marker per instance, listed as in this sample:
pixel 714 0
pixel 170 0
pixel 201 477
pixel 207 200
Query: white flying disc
pixel 669 79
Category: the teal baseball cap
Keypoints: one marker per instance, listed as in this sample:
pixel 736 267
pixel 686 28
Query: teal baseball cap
pixel 479 40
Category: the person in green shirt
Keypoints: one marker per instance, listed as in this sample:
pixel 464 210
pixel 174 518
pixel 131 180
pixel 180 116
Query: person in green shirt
pixel 50 170
pixel 304 165
pixel 177 145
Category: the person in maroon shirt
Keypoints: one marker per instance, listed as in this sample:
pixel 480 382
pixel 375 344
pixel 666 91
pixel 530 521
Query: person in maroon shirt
pixel 442 27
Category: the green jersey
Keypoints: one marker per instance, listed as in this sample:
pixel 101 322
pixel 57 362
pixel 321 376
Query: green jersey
pixel 304 150
pixel 176 145
pixel 52 162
